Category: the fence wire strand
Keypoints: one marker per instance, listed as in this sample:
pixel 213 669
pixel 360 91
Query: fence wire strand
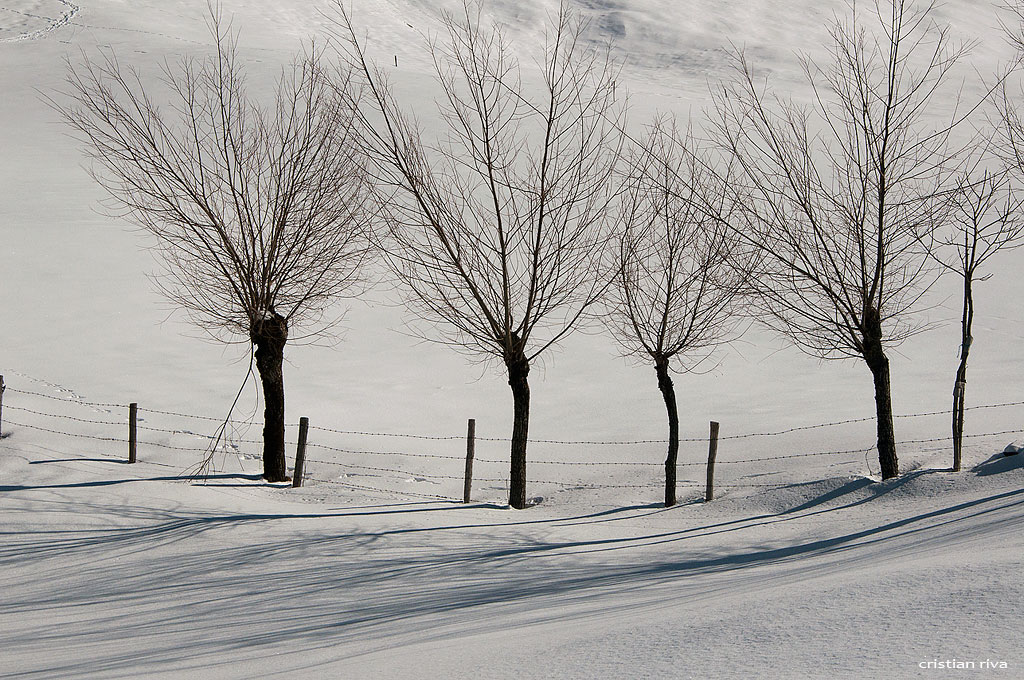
pixel 574 442
pixel 231 447
pixel 64 417
pixel 80 402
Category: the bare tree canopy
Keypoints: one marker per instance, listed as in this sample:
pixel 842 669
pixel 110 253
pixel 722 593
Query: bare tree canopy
pixel 257 211
pixel 496 229
pixel 680 269
pixel 836 193
pixel 986 217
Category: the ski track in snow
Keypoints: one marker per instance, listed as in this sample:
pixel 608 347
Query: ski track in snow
pixel 53 23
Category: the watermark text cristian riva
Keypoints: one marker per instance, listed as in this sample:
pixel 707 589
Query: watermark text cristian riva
pixel 955 664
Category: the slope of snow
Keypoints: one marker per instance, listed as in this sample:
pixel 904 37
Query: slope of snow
pixel 78 308
pixel 802 567
pixel 95 322
pixel 114 571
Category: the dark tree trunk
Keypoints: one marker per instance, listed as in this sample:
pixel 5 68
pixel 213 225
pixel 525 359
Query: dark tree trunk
pixel 269 336
pixel 958 416
pixel 668 392
pixel 960 386
pixel 874 356
pixel 518 371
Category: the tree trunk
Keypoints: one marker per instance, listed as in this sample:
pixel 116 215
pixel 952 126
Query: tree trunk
pixel 960 386
pixel 958 418
pixel 874 356
pixel 518 370
pixel 269 336
pixel 668 392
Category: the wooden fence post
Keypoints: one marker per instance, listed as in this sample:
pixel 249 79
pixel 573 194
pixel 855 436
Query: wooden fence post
pixel 709 490
pixel 2 388
pixel 133 414
pixel 470 447
pixel 300 452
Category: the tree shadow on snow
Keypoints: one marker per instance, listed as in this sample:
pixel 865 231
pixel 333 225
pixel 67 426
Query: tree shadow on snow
pixel 120 461
pixel 131 480
pixel 233 585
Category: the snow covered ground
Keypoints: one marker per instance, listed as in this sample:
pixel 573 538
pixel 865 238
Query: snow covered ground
pixel 802 567
pixel 111 570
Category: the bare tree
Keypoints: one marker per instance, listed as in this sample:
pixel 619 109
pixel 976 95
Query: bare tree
pixel 680 270
pixel 986 219
pixel 256 211
pixel 835 193
pixel 496 229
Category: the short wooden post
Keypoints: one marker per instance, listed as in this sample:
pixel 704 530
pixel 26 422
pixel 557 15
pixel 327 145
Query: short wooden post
pixel 470 447
pixel 709 490
pixel 2 388
pixel 300 452
pixel 133 414
pixel 396 60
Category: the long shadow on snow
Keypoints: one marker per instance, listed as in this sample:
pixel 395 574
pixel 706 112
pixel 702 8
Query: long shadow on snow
pixel 178 524
pixel 115 482
pixel 181 523
pixel 269 589
pixel 316 590
pixel 245 597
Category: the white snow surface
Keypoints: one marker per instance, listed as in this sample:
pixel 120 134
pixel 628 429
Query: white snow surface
pixel 118 571
pixel 802 567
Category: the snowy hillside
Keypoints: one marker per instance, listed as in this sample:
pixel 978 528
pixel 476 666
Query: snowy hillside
pixel 113 571
pixel 75 281
pixel 803 567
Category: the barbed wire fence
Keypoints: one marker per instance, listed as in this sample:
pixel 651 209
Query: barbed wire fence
pixel 379 470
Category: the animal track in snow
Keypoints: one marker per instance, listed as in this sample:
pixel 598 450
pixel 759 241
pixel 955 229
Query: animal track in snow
pixel 33 19
pixel 65 393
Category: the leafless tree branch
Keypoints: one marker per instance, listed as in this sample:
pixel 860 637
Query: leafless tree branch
pixel 681 271
pixel 496 229
pixel 257 212
pixel 836 193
